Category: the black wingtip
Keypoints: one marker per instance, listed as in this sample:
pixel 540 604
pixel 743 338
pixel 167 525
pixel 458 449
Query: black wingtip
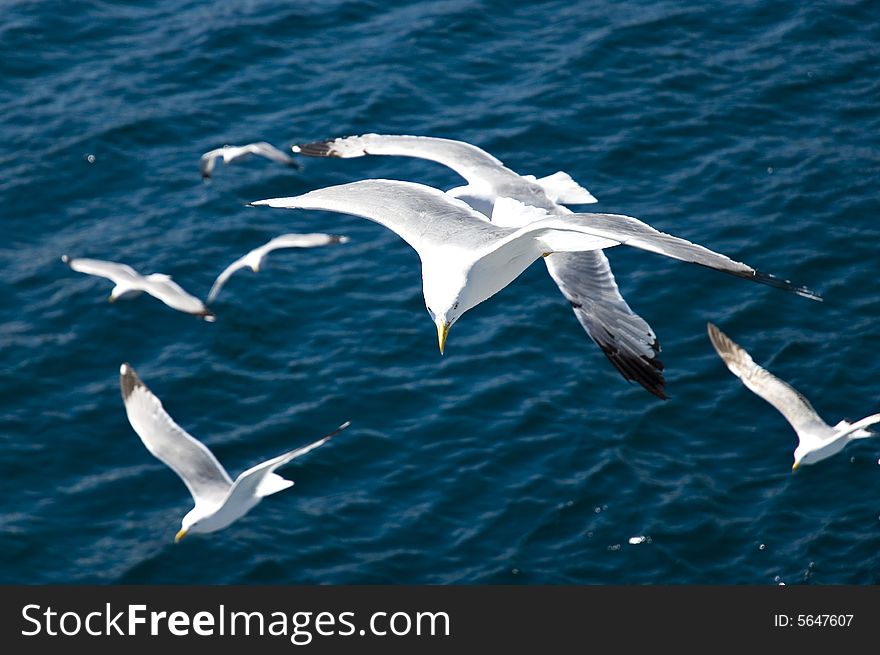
pixel 128 380
pixel 316 149
pixel 337 430
pixel 785 285
pixel 648 372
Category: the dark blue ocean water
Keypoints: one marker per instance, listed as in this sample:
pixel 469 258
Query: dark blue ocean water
pixel 521 456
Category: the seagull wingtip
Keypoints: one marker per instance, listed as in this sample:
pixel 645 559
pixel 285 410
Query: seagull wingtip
pixel 717 337
pixel 128 380
pixel 786 285
pixel 317 148
pixel 336 431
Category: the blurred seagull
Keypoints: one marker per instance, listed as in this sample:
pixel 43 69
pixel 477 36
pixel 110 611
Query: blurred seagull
pixel 218 500
pixel 466 259
pixel 584 278
pixel 234 153
pixel 131 283
pixel 816 439
pixel 254 258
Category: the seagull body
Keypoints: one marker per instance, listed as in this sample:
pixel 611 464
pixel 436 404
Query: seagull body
pixel 816 439
pixel 466 259
pixel 130 283
pixel 219 501
pixel 254 258
pixel 584 278
pixel 230 154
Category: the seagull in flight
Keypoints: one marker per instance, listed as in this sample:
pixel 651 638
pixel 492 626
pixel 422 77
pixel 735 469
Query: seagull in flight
pixel 584 278
pixel 219 501
pixel 230 154
pixel 131 283
pixel 254 258
pixel 466 259
pixel 816 439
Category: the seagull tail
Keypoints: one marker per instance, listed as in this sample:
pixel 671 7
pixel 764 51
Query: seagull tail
pixel 271 484
pixel 563 189
pixel 858 430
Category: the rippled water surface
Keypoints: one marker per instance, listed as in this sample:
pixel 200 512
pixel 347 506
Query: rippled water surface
pixel 520 456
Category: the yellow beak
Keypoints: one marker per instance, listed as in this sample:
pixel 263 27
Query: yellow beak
pixel 795 466
pixel 180 535
pixel 442 331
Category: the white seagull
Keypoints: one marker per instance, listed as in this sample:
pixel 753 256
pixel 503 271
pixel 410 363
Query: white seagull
pixel 466 259
pixel 816 439
pixel 584 278
pixel 218 500
pixel 131 283
pixel 230 154
pixel 254 258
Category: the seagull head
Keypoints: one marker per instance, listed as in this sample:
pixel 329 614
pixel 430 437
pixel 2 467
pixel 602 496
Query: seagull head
pixel 452 290
pixel 801 456
pixel 816 451
pixel 444 301
pixel 254 260
pixel 186 525
pixel 191 522
pixel 443 322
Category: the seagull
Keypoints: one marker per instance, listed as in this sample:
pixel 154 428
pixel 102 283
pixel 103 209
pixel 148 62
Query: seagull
pixel 254 258
pixel 466 259
pixel 131 283
pixel 816 439
pixel 218 500
pixel 234 153
pixel 584 278
pixel 487 178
